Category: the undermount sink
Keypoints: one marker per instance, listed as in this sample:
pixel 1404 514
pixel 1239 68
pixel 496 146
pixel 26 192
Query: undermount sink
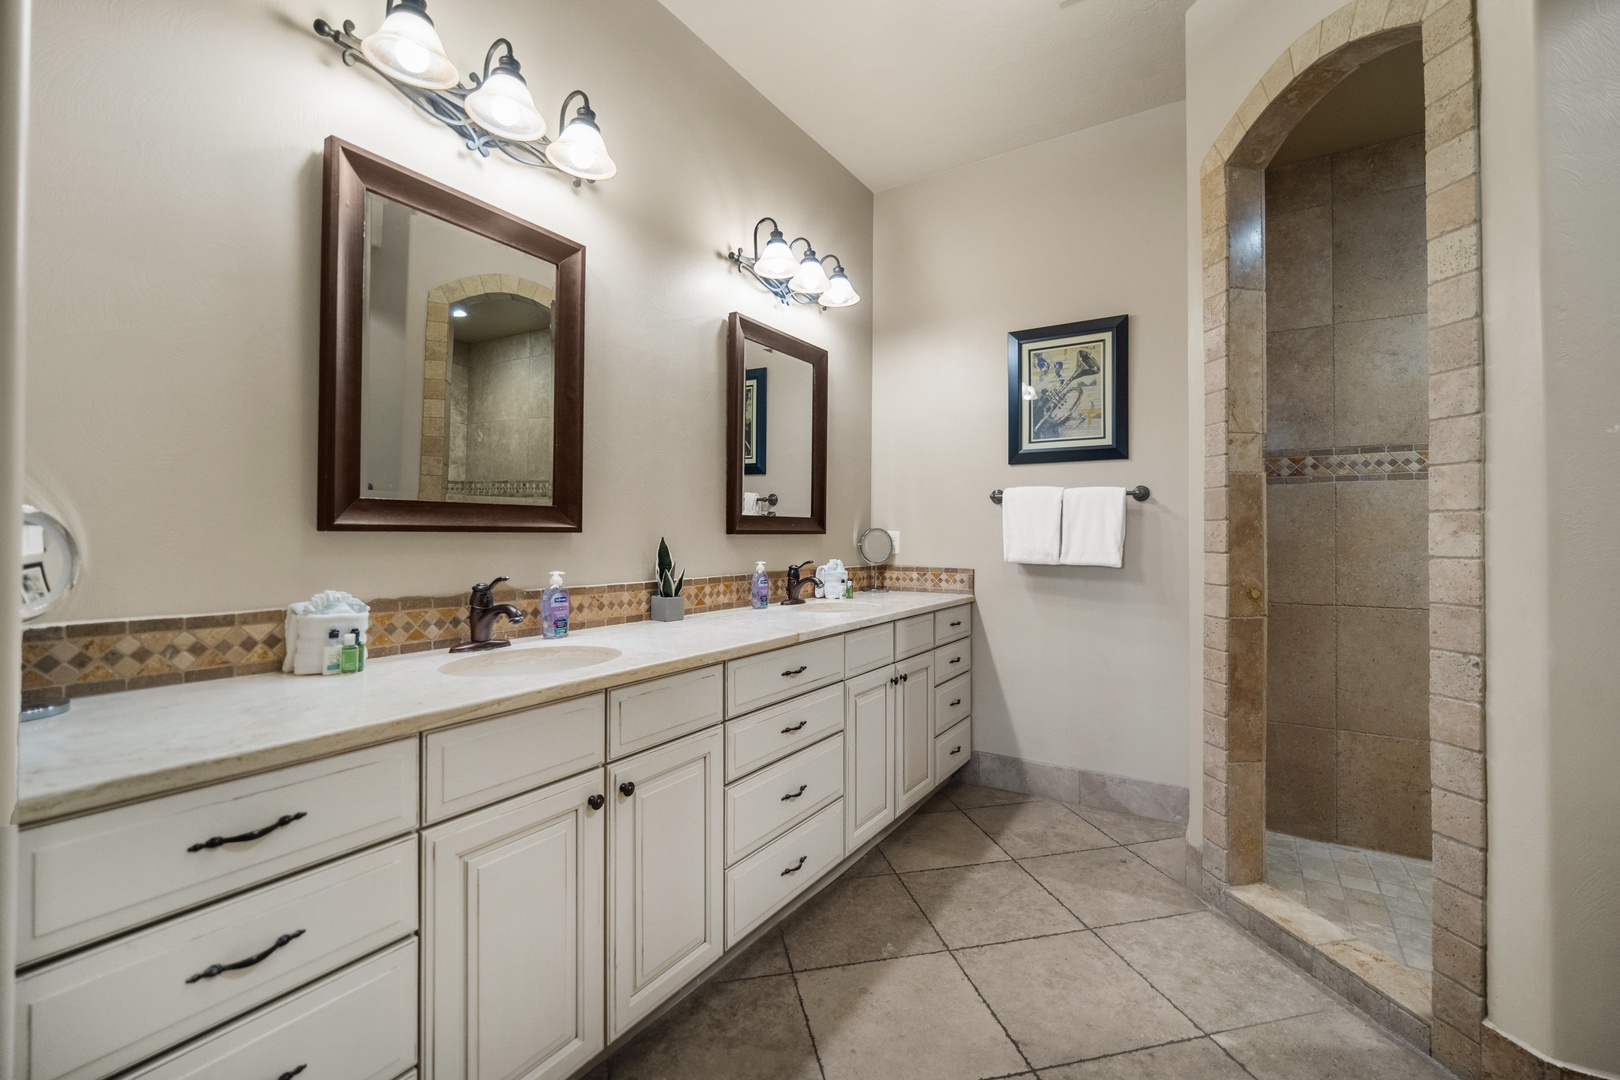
pixel 533 660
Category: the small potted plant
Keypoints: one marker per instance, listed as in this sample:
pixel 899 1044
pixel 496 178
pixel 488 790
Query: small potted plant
pixel 668 605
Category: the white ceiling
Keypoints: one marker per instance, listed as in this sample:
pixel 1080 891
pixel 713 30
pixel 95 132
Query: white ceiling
pixel 901 89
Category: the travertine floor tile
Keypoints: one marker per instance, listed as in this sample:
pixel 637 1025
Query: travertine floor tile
pixel 1023 830
pixel 938 803
pixel 1197 1059
pixel 1169 857
pixel 767 956
pixel 1332 1045
pixel 1110 885
pixel 1214 972
pixel 858 919
pixel 751 1030
pixel 931 841
pixel 1070 997
pixel 871 865
pixel 916 1018
pixel 1130 829
pixel 969 796
pixel 979 905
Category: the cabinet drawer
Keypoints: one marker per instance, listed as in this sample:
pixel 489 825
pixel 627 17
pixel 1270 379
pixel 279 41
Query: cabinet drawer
pixel 773 800
pixel 865 650
pixel 757 681
pixel 913 635
pixel 359 1023
pixel 774 733
pixel 953 623
pixel 655 712
pixel 953 660
pixel 952 749
pixel 108 1008
pixel 477 764
pixel 953 700
pixel 761 884
pixel 86 878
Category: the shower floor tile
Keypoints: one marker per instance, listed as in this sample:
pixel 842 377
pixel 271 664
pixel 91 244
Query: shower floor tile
pixel 1383 899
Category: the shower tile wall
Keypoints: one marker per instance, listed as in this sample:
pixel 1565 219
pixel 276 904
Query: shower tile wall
pixel 501 411
pixel 1347 756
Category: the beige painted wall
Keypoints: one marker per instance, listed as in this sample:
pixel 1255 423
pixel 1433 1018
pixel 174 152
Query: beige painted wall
pixel 175 273
pixel 1072 666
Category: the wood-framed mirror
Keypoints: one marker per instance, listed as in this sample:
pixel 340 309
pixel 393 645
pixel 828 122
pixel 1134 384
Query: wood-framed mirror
pixel 776 431
pixel 452 359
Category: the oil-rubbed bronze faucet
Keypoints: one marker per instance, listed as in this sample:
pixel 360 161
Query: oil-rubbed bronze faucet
pixel 482 612
pixel 795 584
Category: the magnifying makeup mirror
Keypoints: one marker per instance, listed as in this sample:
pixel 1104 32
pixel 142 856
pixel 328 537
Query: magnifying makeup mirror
pixel 50 570
pixel 876 547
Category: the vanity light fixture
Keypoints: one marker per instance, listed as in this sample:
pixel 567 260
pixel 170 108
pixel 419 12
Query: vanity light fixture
pixel 792 278
pixel 492 111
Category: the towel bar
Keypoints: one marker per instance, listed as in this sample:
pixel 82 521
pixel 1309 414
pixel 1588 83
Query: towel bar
pixel 1140 493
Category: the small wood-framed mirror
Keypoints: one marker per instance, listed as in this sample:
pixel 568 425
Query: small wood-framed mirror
pixel 776 431
pixel 452 359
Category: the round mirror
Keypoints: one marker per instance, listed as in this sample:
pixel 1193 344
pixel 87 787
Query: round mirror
pixel 50 562
pixel 876 546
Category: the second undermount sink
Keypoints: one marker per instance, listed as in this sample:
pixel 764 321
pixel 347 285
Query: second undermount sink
pixel 533 660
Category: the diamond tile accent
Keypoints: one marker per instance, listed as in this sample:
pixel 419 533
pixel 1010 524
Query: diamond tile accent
pixel 1338 464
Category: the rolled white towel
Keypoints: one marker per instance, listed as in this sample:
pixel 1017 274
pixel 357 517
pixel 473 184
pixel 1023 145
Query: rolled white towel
pixel 1031 525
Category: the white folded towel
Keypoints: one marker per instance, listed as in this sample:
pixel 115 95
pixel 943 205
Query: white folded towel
pixel 1093 527
pixel 1031 525
pixel 309 621
pixel 750 506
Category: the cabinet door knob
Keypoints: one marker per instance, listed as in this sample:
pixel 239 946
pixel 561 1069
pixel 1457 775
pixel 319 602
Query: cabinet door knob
pixel 595 802
pixel 795 727
pixel 628 788
pixel 894 680
pixel 800 670
pixel 794 869
pixel 904 677
pixel 795 794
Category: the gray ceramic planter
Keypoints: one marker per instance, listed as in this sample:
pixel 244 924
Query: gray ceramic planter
pixel 668 608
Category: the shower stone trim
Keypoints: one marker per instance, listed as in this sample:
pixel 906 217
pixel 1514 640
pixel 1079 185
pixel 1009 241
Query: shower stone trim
pixel 1235 589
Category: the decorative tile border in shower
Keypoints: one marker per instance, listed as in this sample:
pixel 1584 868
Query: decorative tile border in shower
pixel 1339 464
pixel 79 659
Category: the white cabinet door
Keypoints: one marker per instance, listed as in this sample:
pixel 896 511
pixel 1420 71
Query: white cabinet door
pixel 665 873
pixel 913 732
pixel 868 755
pixel 513 917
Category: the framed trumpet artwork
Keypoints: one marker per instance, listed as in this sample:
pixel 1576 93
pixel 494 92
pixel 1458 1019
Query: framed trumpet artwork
pixel 1067 392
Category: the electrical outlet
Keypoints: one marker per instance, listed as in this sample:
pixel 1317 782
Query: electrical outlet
pixel 894 536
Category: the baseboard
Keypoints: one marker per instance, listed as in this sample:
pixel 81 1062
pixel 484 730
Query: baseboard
pixel 1103 791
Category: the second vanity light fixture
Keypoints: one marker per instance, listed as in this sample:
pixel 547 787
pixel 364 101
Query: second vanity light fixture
pixel 495 111
pixel 795 278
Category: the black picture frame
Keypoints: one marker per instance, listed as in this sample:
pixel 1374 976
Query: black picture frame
pixel 1059 412
pixel 754 382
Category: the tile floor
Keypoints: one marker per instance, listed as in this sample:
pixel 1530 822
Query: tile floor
pixel 1383 899
pixel 998 935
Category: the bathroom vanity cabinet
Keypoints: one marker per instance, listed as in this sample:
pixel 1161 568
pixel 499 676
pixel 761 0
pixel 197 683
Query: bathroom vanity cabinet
pixel 500 898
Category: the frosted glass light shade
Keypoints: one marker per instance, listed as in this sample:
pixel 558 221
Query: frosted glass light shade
pixel 840 293
pixel 504 107
pixel 407 48
pixel 777 262
pixel 579 151
pixel 811 280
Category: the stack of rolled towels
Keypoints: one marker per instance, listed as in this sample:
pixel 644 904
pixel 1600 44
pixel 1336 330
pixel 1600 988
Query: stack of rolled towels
pixel 309 627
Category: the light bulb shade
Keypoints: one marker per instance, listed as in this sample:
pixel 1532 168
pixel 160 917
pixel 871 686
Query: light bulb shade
pixel 407 48
pixel 777 262
pixel 579 151
pixel 840 293
pixel 811 280
pixel 502 106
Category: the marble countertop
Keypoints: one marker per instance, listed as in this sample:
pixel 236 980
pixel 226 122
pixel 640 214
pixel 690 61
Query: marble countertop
pixel 124 747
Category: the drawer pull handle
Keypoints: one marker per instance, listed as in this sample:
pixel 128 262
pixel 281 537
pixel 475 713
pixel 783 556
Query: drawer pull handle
pixel 958 750
pixel 800 670
pixel 595 802
pixel 795 794
pixel 288 1075
pixel 955 703
pixel 956 660
pixel 794 869
pixel 958 622
pixel 221 841
pixel 220 969
pixel 795 727
pixel 628 788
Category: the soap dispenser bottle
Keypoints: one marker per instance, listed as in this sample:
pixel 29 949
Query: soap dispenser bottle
pixel 554 608
pixel 761 586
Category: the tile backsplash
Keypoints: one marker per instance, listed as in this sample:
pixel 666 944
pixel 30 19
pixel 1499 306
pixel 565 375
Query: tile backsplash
pixel 78 659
